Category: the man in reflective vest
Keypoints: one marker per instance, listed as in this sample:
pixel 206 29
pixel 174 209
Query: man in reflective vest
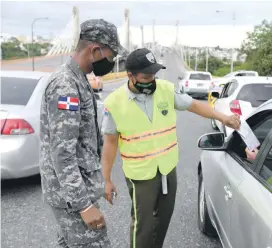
pixel 140 118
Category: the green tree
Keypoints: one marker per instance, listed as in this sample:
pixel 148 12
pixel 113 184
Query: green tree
pixel 258 48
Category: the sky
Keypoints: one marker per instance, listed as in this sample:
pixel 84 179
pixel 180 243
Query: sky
pixel 200 24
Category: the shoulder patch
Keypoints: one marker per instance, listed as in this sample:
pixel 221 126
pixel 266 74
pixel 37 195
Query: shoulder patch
pixel 68 103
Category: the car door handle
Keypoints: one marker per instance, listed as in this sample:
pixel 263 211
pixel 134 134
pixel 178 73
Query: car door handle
pixel 228 194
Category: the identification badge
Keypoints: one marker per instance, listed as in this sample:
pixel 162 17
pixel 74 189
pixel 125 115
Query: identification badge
pixel 164 184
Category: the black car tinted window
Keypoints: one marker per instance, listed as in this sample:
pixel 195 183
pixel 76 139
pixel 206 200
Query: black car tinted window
pixel 200 76
pixel 256 94
pixel 17 91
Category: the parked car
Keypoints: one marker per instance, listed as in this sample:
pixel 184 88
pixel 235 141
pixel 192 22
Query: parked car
pixel 95 82
pixel 196 83
pixel 21 95
pixel 235 193
pixel 241 95
pixel 241 73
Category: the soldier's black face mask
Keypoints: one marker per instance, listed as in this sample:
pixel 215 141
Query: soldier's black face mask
pixel 102 66
pixel 146 88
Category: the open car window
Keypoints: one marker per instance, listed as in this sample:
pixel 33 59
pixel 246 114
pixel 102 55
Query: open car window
pixel 260 124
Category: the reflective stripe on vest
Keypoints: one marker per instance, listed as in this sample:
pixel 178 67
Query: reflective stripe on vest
pixel 146 146
pixel 148 135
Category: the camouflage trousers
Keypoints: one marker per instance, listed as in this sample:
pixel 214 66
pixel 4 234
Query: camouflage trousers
pixel 74 233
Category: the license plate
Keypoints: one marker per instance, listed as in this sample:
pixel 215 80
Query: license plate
pixel 199 85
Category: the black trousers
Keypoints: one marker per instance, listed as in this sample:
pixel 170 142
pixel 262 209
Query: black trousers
pixel 151 211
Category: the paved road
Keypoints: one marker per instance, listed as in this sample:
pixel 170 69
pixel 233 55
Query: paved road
pixel 27 223
pixel 48 63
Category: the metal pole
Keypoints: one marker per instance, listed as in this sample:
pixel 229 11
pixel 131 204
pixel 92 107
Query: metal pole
pixel 117 66
pixel 196 59
pixel 153 28
pixel 177 32
pixel 32 45
pixel 189 58
pixel 232 50
pixel 32 39
pixel 142 30
pixel 207 59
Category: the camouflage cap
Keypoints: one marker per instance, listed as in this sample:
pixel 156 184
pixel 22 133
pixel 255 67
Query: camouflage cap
pixel 101 31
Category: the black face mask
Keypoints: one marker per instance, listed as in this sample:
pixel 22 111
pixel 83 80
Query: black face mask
pixel 102 67
pixel 146 88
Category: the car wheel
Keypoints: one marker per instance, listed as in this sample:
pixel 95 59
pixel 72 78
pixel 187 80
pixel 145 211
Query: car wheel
pixel 204 221
pixel 213 124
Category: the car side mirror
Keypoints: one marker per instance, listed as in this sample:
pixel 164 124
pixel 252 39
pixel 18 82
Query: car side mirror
pixel 179 78
pixel 212 141
pixel 215 94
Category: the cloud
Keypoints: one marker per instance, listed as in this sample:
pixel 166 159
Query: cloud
pixel 17 16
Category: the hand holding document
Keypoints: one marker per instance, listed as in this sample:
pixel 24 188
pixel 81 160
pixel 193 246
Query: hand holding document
pixel 248 136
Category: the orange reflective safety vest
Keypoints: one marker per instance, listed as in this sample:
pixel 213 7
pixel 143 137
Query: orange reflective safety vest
pixel 146 146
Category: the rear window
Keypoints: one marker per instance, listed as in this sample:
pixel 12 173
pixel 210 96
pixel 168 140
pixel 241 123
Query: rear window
pixel 256 94
pixel 200 76
pixel 17 91
pixel 246 74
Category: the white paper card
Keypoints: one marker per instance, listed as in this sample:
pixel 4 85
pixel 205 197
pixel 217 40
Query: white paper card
pixel 248 136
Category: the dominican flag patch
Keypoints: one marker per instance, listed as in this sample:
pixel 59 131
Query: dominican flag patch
pixel 106 112
pixel 68 103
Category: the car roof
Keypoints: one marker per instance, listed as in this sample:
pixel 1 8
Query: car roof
pixel 253 80
pixel 203 72
pixel 24 74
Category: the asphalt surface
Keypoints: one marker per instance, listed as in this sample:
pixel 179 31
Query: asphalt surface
pixel 27 222
pixel 49 63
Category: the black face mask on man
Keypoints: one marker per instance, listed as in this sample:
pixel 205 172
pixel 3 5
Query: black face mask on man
pixel 146 88
pixel 102 66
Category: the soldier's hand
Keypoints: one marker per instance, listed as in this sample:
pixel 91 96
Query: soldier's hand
pixel 93 218
pixel 109 190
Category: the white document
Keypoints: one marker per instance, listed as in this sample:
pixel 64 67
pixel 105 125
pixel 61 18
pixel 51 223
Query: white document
pixel 248 136
pixel 164 184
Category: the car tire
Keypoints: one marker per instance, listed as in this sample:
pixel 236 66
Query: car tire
pixel 213 124
pixel 204 221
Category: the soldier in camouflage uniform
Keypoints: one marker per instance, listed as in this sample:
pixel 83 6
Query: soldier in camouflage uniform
pixel 70 139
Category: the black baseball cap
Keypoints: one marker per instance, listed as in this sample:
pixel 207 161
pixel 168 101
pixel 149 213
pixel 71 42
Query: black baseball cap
pixel 142 60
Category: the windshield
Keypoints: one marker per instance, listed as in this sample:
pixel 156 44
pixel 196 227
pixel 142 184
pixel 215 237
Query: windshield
pixel 200 76
pixel 256 94
pixel 17 91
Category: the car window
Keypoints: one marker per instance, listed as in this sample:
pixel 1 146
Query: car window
pixel 246 74
pixel 260 124
pixel 232 87
pixel 17 91
pixel 266 171
pixel 200 76
pixel 225 90
pixel 256 94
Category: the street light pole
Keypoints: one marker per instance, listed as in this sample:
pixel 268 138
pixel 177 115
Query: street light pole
pixel 232 49
pixel 32 38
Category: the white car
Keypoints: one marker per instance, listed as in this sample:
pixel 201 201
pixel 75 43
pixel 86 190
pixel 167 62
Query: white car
pixel 241 95
pixel 196 83
pixel 21 95
pixel 235 192
pixel 226 78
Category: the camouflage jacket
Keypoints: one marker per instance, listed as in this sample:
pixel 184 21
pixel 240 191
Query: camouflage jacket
pixel 69 141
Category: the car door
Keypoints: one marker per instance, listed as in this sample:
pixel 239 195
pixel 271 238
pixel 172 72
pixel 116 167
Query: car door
pixel 251 212
pixel 225 175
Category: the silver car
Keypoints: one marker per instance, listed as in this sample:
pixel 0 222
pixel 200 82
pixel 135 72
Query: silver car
pixel 21 95
pixel 235 193
pixel 196 83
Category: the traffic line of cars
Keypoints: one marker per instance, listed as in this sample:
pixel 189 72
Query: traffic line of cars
pixel 21 95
